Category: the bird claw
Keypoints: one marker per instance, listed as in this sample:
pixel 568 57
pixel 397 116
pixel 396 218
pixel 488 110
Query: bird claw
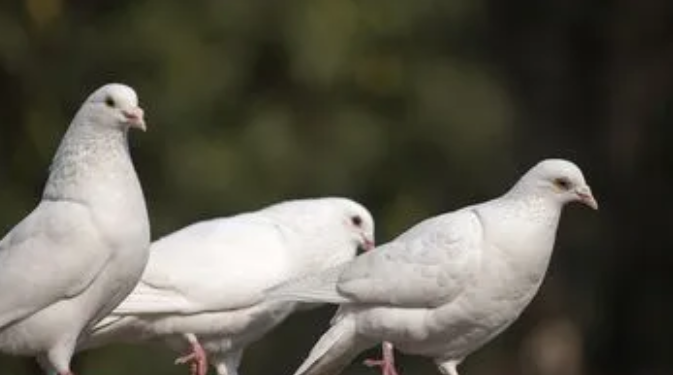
pixel 387 368
pixel 196 359
pixel 387 363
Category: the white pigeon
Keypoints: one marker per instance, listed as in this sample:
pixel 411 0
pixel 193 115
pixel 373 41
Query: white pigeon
pixel 204 284
pixel 84 247
pixel 449 284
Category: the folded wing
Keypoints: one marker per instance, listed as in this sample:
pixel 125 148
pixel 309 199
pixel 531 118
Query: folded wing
pixel 215 265
pixel 55 253
pixel 426 266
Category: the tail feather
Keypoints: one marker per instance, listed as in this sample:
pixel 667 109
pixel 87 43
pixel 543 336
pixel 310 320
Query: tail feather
pixel 314 288
pixel 335 350
pixel 113 328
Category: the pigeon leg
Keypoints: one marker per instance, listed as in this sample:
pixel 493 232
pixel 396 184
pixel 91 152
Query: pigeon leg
pixel 387 364
pixel 197 358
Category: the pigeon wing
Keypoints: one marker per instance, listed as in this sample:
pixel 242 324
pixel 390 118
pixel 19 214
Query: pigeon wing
pixel 53 254
pixel 426 266
pixel 216 265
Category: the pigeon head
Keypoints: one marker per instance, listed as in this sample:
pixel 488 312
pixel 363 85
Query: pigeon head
pixel 96 145
pixel 325 231
pixel 559 180
pixel 340 222
pixel 114 105
pixel 358 223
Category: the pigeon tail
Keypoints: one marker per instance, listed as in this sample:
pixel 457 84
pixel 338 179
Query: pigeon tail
pixel 314 288
pixel 335 349
pixel 112 328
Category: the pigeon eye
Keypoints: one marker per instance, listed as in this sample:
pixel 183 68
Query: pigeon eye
pixel 356 220
pixel 562 183
pixel 110 102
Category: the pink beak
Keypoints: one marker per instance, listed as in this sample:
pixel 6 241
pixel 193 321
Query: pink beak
pixel 584 195
pixel 135 118
pixel 368 244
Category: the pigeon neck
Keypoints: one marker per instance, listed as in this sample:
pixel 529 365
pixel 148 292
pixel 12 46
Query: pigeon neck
pixel 89 159
pixel 533 204
pixel 522 229
pixel 319 247
pixel 324 253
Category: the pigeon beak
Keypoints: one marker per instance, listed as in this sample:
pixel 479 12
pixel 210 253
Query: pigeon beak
pixel 367 244
pixel 135 117
pixel 584 195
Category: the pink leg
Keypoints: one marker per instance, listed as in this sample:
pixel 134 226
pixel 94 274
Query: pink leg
pixel 197 358
pixel 387 364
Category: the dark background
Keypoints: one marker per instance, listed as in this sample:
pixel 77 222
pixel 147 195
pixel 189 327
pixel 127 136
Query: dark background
pixel 412 107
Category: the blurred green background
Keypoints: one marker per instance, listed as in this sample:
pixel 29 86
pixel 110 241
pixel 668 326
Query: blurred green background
pixel 412 107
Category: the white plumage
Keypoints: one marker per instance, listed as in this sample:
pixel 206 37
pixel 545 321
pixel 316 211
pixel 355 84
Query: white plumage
pixel 206 282
pixel 83 248
pixel 449 284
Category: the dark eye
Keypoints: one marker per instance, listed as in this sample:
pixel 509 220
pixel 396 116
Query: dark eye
pixel 110 102
pixel 562 183
pixel 356 220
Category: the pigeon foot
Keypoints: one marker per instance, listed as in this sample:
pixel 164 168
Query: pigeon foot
pixel 387 363
pixel 197 359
